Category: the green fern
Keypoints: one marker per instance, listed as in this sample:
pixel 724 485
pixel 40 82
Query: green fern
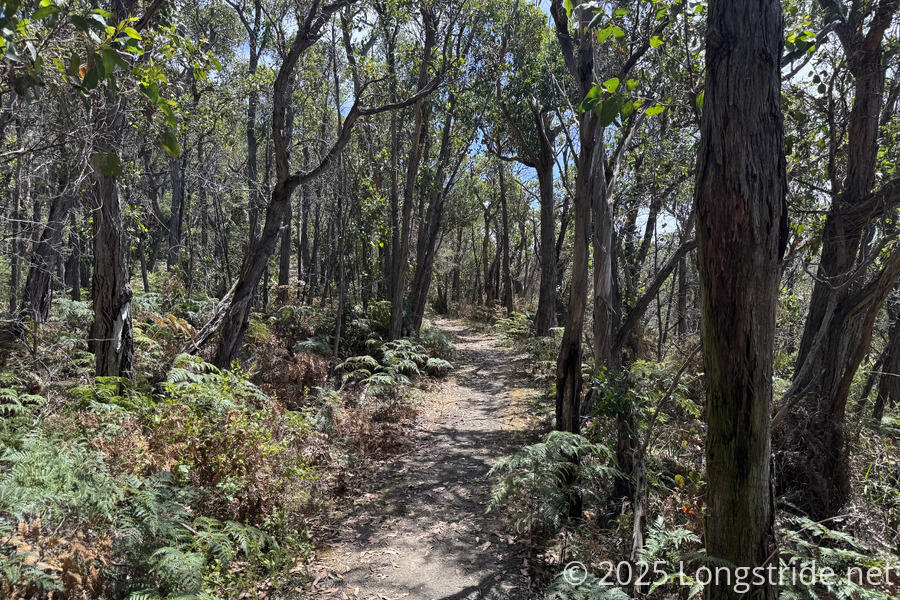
pixel 806 542
pixel 438 367
pixel 320 344
pixel 582 586
pixel 537 482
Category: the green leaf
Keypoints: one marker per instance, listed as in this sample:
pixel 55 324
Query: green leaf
pixel 170 114
pixel 98 64
pixel 90 78
pixel 44 12
pixel 132 33
pixel 621 12
pixel 700 97
pixel 74 65
pixel 604 34
pixel 608 111
pixel 617 32
pixel 169 143
pixel 611 85
pixel 568 6
pixel 655 110
pixel 80 23
pixel 631 84
pixel 590 100
pixel 108 163
pixel 656 41
pixel 112 59
pixel 151 90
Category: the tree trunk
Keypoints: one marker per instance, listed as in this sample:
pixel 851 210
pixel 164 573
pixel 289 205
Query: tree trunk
pixel 889 377
pixel 579 61
pixel 254 47
pixel 545 318
pixel 681 310
pixel 812 448
pixel 111 335
pixel 176 216
pixel 303 241
pixel 400 257
pixel 73 263
pixel 430 228
pixel 44 257
pixel 739 198
pixel 506 284
pixel 15 217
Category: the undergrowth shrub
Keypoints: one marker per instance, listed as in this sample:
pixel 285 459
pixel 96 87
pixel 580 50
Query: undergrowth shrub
pixel 436 342
pixel 232 440
pixel 390 364
pixel 537 483
pixel 185 493
pixel 516 326
pixel 809 544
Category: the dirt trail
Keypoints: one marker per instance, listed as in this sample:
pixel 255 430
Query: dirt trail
pixel 421 532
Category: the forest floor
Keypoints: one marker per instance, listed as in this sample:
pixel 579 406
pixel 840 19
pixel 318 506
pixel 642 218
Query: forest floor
pixel 420 531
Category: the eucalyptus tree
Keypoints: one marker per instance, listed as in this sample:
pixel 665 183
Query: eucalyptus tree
pixel 741 229
pixel 858 264
pixel 531 87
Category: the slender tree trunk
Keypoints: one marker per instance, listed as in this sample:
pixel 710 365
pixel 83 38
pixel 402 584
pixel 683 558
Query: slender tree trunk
pixel 20 194
pixel 255 47
pixel 682 298
pixel 507 291
pixel 44 257
pixel 314 259
pixel 73 263
pixel 401 257
pixel 176 216
pixel 579 61
pixel 303 241
pixel 430 228
pixel 889 377
pixel 739 196
pixel 545 318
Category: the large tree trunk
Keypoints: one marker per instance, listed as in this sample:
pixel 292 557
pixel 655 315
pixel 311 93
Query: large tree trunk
pixel 843 306
pixel 111 335
pixel 741 217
